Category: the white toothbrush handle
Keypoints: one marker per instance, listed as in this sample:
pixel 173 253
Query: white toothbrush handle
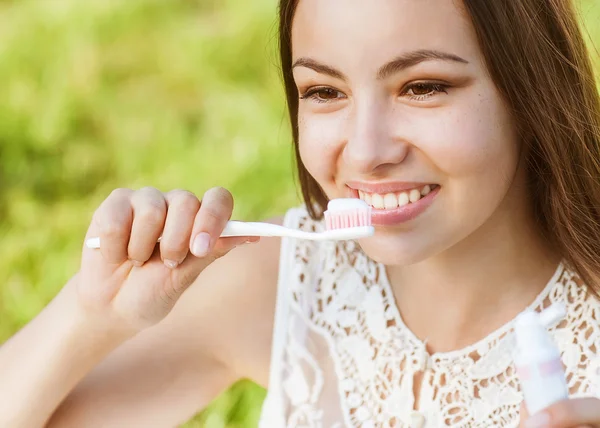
pixel 241 228
pixel 249 228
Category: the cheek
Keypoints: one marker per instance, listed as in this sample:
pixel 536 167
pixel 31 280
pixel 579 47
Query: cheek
pixel 474 143
pixel 319 142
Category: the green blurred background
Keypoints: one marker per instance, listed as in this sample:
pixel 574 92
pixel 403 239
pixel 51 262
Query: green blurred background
pixel 99 94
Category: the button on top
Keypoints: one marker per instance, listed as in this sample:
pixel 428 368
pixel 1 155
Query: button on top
pixel 424 361
pixel 417 420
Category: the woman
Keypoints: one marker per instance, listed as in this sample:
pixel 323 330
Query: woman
pixel 473 129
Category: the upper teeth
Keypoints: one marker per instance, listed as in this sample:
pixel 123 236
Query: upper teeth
pixel 394 200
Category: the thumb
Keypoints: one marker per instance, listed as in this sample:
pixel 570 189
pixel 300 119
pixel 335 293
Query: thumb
pixel 523 414
pixel 192 266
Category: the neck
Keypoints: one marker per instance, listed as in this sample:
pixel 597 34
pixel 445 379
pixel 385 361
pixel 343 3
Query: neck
pixel 479 285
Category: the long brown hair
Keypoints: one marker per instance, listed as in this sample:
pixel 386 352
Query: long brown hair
pixel 537 57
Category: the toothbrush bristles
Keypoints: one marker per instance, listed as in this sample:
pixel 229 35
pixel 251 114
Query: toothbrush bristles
pixel 357 217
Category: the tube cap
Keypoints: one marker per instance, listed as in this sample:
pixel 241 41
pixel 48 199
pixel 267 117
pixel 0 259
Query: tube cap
pixel 531 327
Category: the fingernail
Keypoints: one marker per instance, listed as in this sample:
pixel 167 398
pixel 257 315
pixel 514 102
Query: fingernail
pixel 539 420
pixel 201 244
pixel 171 264
pixel 136 263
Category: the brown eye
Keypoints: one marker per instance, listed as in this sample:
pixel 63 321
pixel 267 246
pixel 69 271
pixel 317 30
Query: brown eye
pixel 322 95
pixel 327 94
pixel 420 91
pixel 423 88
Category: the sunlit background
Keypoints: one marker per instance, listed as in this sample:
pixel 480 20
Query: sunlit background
pixel 99 94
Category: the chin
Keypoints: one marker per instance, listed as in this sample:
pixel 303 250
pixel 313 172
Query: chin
pixel 394 250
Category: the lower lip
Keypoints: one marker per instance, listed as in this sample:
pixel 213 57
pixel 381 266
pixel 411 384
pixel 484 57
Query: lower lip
pixel 404 213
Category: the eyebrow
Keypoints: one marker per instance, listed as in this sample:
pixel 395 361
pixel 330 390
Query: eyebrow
pixel 402 62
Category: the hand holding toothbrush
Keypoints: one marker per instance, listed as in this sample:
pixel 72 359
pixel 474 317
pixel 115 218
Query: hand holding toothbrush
pixel 131 280
pixel 126 275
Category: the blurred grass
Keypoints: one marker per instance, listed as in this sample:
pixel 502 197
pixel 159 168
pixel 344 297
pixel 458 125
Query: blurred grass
pixel 104 93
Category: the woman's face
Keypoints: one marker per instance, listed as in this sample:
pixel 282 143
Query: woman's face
pixel 397 108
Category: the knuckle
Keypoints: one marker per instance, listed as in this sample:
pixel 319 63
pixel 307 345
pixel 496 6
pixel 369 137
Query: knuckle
pixel 172 248
pixel 176 193
pixel 217 206
pixel 152 210
pixel 156 201
pixel 213 215
pixel 185 200
pixel 560 413
pixel 149 189
pixel 151 214
pixel 138 253
pixel 222 191
pixel 120 192
pixel 113 228
pixel 220 195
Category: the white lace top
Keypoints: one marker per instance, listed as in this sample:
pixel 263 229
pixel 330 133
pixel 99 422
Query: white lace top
pixel 342 356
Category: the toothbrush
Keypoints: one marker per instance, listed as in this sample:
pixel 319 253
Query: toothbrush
pixel 345 219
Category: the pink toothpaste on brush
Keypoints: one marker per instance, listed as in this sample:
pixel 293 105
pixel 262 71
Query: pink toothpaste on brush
pixel 345 219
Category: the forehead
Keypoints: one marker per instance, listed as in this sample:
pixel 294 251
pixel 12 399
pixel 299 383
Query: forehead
pixel 373 31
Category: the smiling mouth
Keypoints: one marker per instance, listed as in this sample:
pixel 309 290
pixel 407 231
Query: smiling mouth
pixel 389 201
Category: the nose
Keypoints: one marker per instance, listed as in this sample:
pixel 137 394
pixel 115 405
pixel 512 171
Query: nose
pixel 372 143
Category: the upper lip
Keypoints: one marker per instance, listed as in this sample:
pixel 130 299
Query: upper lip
pixel 387 187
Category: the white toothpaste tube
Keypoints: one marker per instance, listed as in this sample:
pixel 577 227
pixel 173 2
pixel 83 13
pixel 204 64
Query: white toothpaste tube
pixel 537 359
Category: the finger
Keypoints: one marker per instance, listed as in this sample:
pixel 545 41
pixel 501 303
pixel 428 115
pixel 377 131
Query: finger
pixel 192 266
pixel 224 245
pixel 523 415
pixel 215 210
pixel 577 411
pixel 112 223
pixel 149 213
pixel 568 413
pixel 181 213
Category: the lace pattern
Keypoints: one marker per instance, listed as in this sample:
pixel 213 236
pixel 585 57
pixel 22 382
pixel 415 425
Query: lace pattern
pixel 347 359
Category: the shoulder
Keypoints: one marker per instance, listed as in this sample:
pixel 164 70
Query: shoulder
pixel 231 307
pixel 578 335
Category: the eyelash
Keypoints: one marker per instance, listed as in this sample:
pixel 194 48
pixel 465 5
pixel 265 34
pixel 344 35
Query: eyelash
pixel 312 93
pixel 435 88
